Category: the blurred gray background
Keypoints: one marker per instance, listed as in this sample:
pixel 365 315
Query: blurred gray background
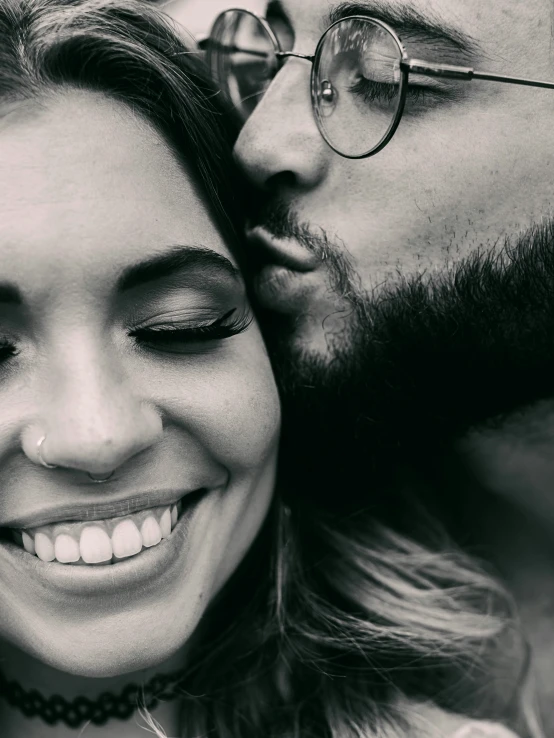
pixel 197 16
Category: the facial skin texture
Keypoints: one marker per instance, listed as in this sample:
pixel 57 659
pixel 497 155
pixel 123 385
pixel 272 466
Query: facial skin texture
pixel 459 174
pixel 87 190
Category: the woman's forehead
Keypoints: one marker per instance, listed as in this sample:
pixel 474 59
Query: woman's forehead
pixel 86 180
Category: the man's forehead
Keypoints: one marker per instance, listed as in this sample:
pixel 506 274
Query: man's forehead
pixel 465 27
pixel 414 20
pixel 328 12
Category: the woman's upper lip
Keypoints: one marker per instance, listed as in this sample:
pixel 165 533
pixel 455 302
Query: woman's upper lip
pixel 285 252
pixel 95 509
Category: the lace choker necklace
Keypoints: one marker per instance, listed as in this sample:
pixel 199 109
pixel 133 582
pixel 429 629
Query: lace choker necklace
pixel 80 710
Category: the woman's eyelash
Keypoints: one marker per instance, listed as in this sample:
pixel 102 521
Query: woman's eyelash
pixel 214 331
pixel 7 349
pixel 159 335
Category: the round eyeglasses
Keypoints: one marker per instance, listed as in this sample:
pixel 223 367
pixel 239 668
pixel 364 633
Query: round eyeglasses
pixel 359 79
pixel 357 84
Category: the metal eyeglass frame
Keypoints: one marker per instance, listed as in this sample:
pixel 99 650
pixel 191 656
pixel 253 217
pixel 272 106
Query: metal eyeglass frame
pixel 406 65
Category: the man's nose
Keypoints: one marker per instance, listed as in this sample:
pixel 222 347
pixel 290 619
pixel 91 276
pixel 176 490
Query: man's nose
pixel 90 415
pixel 280 144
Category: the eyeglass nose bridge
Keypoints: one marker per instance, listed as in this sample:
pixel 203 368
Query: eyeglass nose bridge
pixel 284 54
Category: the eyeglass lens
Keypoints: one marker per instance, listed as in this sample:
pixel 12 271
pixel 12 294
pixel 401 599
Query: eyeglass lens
pixel 241 57
pixel 357 89
pixel 356 81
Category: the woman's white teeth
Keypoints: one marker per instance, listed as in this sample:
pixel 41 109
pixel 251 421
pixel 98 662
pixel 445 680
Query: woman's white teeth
pixel 126 539
pixel 66 548
pixel 92 543
pixel 44 547
pixel 95 545
pixel 28 543
pixel 150 532
pixel 165 523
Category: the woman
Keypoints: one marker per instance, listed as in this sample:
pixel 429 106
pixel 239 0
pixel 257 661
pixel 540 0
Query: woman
pixel 148 572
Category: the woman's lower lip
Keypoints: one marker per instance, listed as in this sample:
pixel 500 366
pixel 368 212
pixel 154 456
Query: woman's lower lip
pixel 284 290
pixel 95 580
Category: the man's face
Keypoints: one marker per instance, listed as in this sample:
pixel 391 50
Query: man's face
pixel 469 164
pixel 403 319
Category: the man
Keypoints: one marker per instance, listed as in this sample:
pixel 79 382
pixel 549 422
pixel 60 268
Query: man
pixel 413 289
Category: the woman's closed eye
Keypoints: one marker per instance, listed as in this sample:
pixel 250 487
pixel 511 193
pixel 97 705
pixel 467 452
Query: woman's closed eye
pixel 174 336
pixel 8 349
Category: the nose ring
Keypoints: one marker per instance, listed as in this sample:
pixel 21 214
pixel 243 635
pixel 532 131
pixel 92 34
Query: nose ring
pixel 40 456
pixel 99 480
pixel 42 460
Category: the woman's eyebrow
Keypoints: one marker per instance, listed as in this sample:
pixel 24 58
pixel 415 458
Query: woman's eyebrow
pixel 201 260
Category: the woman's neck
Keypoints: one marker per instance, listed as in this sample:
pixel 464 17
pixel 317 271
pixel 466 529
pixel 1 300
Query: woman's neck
pixel 32 674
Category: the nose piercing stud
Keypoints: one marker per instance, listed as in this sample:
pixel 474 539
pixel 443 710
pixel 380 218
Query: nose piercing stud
pixel 40 457
pixel 99 480
pixel 42 460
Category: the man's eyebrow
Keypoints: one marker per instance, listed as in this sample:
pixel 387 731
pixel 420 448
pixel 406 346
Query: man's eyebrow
pixel 9 294
pixel 409 22
pixel 178 258
pixel 412 24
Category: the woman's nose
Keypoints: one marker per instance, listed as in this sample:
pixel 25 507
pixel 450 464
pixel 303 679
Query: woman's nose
pixel 89 416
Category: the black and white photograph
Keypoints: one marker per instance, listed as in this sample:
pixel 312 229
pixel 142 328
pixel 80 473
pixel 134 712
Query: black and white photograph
pixel 276 369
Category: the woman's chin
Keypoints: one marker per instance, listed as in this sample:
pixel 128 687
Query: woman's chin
pixel 114 645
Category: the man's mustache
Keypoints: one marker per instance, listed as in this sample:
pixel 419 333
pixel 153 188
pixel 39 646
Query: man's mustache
pixel 281 221
pixel 275 216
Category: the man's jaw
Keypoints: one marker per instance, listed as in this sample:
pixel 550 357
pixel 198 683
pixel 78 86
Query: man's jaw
pixel 424 361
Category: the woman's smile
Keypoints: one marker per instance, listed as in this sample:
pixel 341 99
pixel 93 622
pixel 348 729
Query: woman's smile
pixel 99 539
pixel 133 558
pixel 100 542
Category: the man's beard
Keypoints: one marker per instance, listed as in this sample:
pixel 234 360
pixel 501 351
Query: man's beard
pixel 423 361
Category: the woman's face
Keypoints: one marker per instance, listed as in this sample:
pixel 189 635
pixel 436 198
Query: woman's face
pixel 125 342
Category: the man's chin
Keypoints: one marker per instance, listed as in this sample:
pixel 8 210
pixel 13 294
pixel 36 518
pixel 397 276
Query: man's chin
pixel 323 334
pixel 322 341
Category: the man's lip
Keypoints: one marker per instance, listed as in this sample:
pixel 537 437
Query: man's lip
pixel 285 290
pixel 286 252
pixel 98 509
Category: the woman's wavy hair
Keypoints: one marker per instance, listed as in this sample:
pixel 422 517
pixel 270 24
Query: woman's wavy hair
pixel 334 626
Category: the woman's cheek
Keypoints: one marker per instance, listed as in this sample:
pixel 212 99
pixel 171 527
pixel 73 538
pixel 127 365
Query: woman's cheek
pixel 227 400
pixel 246 413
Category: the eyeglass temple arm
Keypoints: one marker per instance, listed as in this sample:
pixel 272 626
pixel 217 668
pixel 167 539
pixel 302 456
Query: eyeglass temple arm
pixel 417 66
pixel 210 43
pixel 285 54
